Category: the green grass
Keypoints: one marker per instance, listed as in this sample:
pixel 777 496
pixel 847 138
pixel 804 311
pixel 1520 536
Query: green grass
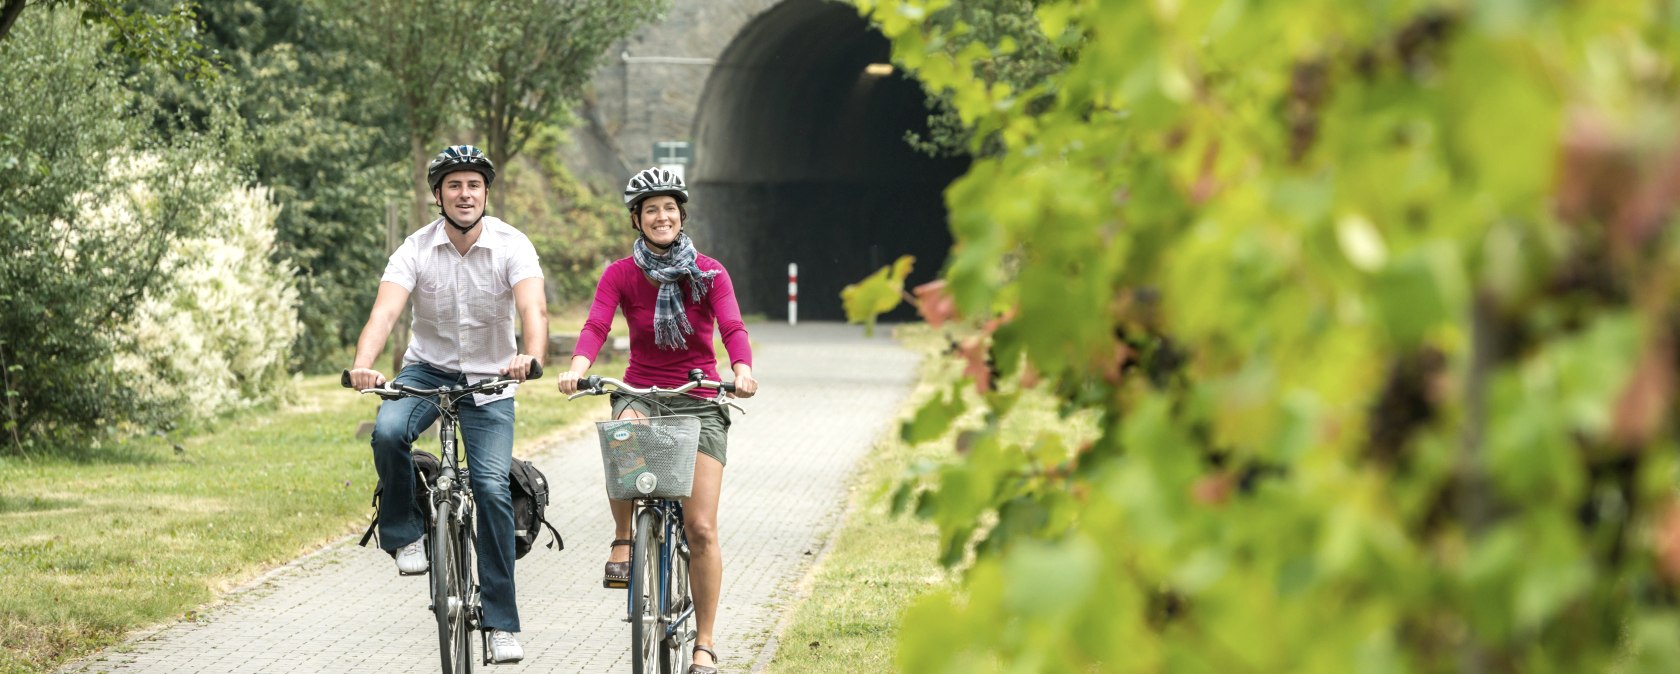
pixel 107 540
pixel 847 616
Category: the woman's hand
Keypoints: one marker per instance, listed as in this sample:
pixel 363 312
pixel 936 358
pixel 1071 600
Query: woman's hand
pixel 745 384
pixel 568 380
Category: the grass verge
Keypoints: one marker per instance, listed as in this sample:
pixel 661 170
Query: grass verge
pixel 108 540
pixel 846 619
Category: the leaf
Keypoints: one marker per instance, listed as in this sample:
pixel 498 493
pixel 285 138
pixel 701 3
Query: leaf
pixel 876 294
pixel 933 418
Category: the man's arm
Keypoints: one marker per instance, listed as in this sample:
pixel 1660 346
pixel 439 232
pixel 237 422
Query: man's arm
pixel 532 305
pixel 387 308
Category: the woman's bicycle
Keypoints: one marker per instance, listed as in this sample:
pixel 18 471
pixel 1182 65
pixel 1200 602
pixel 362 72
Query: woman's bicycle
pixel 650 462
pixel 453 568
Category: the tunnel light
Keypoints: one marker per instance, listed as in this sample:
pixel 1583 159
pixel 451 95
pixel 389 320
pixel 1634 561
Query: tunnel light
pixel 878 69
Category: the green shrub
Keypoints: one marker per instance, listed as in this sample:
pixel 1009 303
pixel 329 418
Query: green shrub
pixel 215 338
pixel 1374 306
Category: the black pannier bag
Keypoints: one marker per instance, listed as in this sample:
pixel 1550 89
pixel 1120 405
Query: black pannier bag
pixel 530 505
pixel 529 488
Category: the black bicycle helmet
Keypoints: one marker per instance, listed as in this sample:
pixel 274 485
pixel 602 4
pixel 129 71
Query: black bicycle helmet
pixel 460 158
pixel 654 182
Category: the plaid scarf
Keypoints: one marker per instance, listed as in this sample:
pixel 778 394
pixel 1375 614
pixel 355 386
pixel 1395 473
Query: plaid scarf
pixel 670 321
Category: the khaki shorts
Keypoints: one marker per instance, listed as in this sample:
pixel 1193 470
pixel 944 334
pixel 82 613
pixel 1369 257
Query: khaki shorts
pixel 714 419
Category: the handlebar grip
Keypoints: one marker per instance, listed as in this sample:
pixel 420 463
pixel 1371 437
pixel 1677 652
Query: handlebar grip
pixel 535 372
pixel 344 379
pixel 727 386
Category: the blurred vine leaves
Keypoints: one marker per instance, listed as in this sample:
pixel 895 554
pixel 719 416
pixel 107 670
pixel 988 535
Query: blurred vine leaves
pixel 876 294
pixel 1375 307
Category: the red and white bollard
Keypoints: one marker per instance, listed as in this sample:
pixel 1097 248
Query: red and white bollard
pixel 793 293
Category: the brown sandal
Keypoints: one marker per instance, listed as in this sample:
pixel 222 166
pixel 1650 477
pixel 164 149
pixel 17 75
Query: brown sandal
pixel 618 573
pixel 702 669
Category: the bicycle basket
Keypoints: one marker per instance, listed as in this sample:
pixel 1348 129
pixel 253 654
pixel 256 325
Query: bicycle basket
pixel 651 457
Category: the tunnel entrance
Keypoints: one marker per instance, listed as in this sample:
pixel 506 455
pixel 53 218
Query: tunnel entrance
pixel 800 157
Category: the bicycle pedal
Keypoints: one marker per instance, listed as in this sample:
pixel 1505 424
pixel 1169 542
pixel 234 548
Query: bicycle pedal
pixel 616 584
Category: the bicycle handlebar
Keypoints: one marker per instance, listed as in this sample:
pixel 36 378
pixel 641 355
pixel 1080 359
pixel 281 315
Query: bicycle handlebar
pixel 391 386
pixel 592 386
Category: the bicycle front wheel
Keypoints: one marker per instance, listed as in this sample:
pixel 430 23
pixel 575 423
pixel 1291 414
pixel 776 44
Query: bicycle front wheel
pixel 677 647
pixel 448 594
pixel 645 630
pixel 466 620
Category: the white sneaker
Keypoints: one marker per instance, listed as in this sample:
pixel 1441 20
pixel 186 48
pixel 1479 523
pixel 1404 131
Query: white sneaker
pixel 503 647
pixel 411 559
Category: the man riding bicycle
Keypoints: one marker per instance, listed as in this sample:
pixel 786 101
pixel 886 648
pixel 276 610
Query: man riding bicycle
pixel 465 275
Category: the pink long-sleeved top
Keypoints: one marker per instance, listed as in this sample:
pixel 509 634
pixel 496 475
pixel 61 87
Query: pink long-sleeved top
pixel 624 286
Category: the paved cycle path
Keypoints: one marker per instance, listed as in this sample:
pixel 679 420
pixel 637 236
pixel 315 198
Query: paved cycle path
pixel 826 395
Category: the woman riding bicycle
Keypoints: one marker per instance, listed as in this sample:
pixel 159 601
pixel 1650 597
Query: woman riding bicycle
pixel 671 295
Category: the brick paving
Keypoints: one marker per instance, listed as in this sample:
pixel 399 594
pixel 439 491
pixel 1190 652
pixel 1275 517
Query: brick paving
pixel 826 394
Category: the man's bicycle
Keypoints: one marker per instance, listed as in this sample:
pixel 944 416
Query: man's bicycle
pixel 453 568
pixel 650 462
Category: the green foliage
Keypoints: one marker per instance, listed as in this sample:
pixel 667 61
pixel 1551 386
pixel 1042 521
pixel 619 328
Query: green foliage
pixel 539 60
pixel 69 154
pixel 216 338
pixel 331 156
pixel 575 231
pixel 1373 308
pixel 876 294
pixel 1022 58
pixel 425 53
pixel 166 38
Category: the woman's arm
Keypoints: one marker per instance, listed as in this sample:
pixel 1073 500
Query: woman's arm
pixel 728 314
pixel 734 333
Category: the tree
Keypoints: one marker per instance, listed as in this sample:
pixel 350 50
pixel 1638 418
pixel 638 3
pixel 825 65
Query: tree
pixel 332 157
pixel 167 38
pixel 1006 48
pixel 540 58
pixel 1373 309
pixel 65 289
pixel 428 52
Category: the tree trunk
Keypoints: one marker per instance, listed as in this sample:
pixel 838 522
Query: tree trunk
pixel 9 14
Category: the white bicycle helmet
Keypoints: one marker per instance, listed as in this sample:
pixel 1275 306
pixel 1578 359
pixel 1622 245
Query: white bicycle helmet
pixel 653 182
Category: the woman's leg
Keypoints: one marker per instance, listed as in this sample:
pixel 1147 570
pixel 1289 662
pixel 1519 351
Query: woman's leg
pixel 621 509
pixel 704 554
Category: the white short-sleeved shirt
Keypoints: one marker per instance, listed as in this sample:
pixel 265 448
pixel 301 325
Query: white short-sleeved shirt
pixel 463 307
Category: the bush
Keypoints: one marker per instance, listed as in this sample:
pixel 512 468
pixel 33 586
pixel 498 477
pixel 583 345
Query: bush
pixel 65 291
pixel 216 338
pixel 1374 306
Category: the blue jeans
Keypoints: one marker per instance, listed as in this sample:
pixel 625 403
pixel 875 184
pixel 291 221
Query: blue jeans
pixel 487 434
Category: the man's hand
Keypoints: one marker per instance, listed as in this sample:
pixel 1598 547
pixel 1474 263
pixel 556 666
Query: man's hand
pixel 362 378
pixel 519 368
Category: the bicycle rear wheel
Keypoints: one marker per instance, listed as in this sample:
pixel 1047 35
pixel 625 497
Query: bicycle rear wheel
pixel 645 630
pixel 677 649
pixel 448 594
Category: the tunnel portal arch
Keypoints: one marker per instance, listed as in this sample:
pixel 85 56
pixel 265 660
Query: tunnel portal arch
pixel 799 156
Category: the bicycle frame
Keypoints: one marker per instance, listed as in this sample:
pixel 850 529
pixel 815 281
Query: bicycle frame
pixel 672 534
pixel 455 487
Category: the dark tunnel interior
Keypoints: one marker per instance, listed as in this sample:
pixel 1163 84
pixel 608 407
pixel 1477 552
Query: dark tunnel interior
pixel 800 157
